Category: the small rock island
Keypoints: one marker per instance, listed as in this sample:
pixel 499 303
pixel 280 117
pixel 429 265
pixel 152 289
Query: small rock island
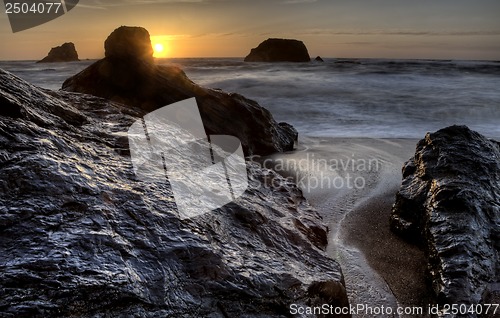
pixel 279 50
pixel 64 53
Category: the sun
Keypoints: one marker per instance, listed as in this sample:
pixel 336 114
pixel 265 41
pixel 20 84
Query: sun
pixel 159 48
pixel 160 45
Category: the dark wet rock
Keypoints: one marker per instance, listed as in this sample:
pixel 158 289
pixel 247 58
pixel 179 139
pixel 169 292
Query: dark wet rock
pixel 133 79
pixel 64 53
pixel 129 43
pixel 318 59
pixel 279 50
pixel 81 236
pixel 449 203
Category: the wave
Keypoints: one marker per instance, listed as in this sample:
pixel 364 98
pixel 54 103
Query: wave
pixel 369 98
pixel 341 97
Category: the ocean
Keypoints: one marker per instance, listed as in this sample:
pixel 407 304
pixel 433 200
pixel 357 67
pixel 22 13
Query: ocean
pixel 377 98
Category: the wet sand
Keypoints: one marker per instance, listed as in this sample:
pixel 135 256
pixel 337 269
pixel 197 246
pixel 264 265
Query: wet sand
pixel 401 265
pixel 379 267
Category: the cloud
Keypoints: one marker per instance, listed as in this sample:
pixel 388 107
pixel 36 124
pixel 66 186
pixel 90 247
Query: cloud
pixel 220 35
pixel 327 32
pixel 119 3
pixel 101 4
pixel 169 37
pixel 298 1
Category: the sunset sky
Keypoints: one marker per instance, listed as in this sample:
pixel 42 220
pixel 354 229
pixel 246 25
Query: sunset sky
pixel 437 29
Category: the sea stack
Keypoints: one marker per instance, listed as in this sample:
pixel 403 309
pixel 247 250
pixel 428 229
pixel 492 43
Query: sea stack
pixel 318 59
pixel 128 75
pixel 131 43
pixel 64 53
pixel 279 50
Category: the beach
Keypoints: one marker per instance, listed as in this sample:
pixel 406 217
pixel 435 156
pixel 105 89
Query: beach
pixel 292 158
pixel 380 268
pixel 357 126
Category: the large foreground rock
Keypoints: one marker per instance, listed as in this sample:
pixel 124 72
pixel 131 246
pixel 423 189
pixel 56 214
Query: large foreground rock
pixel 449 202
pixel 279 50
pixel 64 53
pixel 128 75
pixel 81 236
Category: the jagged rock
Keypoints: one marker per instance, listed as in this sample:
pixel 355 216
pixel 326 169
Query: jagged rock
pixel 318 59
pixel 133 79
pixel 279 50
pixel 81 236
pixel 64 53
pixel 449 203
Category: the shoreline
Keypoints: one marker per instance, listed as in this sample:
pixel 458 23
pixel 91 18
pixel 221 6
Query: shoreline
pixel 379 267
pixel 401 264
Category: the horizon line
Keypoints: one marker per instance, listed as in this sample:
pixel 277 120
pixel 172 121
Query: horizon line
pixel 242 57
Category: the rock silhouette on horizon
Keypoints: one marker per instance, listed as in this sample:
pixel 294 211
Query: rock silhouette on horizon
pixel 64 53
pixel 449 203
pixel 279 50
pixel 128 75
pixel 318 59
pixel 129 43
